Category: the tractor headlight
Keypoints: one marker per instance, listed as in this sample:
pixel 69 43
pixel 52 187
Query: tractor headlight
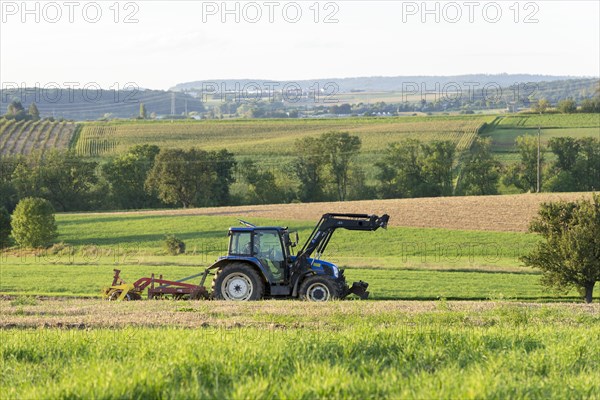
pixel 336 271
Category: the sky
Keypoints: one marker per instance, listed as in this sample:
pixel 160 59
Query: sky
pixel 157 44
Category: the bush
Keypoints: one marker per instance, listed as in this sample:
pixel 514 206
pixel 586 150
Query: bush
pixel 33 223
pixel 173 245
pixel 4 227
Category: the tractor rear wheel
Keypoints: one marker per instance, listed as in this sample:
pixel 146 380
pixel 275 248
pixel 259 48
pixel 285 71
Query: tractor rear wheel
pixel 238 282
pixel 320 288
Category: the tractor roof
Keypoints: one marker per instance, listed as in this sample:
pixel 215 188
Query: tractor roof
pixel 251 229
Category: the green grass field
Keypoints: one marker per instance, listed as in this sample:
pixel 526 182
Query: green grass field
pixel 452 313
pixel 399 263
pixel 506 129
pixel 293 350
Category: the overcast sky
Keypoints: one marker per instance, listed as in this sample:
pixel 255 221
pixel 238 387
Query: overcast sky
pixel 169 42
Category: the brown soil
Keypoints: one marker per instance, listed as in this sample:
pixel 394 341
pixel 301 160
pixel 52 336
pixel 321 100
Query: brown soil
pixel 511 213
pixel 89 313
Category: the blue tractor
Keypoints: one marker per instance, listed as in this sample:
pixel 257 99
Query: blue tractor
pixel 260 263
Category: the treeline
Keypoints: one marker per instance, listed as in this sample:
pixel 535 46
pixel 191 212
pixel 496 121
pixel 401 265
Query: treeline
pixel 325 169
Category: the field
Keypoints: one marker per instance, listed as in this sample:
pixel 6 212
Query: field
pixel 505 130
pixel 25 137
pixel 283 349
pixel 452 314
pixel 510 213
pixel 277 137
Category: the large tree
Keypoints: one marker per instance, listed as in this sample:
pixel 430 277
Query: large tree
pixel 309 168
pixel 401 172
pixel 480 173
pixel 524 174
pixel 577 165
pixel 569 255
pixel 340 148
pixel 438 162
pixel 126 175
pixel 191 177
pixel 66 179
pixel 263 186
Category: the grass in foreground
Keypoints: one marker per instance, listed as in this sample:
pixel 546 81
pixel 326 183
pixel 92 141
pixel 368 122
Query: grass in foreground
pixel 296 350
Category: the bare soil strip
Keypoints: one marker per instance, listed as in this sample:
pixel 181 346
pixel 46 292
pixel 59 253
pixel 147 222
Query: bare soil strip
pixel 509 213
pixel 88 313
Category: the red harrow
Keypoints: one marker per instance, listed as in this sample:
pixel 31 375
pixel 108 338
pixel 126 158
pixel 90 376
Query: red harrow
pixel 157 288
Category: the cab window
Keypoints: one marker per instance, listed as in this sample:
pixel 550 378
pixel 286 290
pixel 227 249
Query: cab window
pixel 239 244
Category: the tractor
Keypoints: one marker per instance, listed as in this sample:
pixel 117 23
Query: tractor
pixel 260 264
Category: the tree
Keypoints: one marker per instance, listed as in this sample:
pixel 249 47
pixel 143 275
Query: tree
pixel 541 106
pixel 15 110
pixel 340 148
pixel 567 106
pixel 33 223
pixel 401 172
pixel 566 150
pixel 8 192
pixel 524 174
pixel 308 167
pixel 264 189
pixel 587 166
pixel 34 113
pixel 569 256
pixel 438 160
pixel 481 171
pixel 591 105
pixel 191 178
pixel 414 169
pixel 126 175
pixel 4 226
pixel 143 114
pixel 577 165
pixel 223 163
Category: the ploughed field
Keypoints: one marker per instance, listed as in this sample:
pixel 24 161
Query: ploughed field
pixel 511 213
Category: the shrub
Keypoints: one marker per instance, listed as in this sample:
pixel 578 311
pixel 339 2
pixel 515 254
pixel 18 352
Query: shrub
pixel 4 227
pixel 173 245
pixel 33 223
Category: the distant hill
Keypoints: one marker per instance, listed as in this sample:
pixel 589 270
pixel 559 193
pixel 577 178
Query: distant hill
pixel 83 105
pixel 383 83
pixel 93 105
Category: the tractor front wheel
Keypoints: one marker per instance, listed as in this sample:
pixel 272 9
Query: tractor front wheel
pixel 319 288
pixel 238 282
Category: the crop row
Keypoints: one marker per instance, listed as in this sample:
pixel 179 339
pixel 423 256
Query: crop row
pixel 277 137
pixel 551 121
pixel 24 137
pixel 96 140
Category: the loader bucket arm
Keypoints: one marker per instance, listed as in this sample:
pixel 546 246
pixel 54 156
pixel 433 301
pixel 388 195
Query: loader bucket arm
pixel 322 233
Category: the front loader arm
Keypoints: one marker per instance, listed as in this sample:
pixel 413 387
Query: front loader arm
pixel 322 233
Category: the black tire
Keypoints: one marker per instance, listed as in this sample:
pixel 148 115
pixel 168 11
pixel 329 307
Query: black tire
pixel 238 282
pixel 320 288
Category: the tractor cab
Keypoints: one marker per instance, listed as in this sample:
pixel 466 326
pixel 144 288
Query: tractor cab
pixel 268 247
